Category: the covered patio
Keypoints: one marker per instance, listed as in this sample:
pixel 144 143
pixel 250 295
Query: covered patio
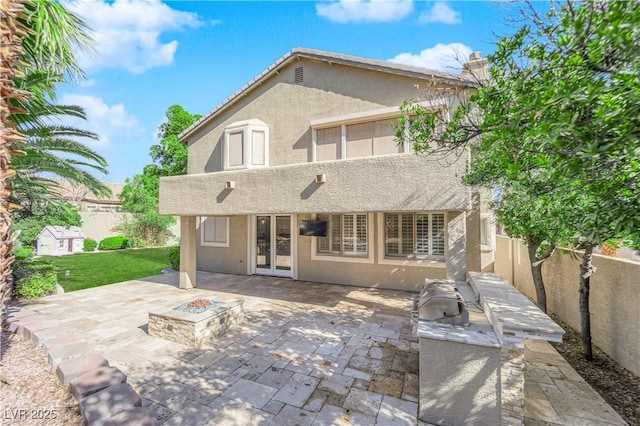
pixel 306 353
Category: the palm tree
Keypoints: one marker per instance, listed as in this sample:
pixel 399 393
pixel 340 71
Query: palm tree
pixel 34 34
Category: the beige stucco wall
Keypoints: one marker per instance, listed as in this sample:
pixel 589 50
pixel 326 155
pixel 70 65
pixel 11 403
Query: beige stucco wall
pixel 100 225
pixel 358 185
pixel 614 299
pixel 228 260
pixel 287 108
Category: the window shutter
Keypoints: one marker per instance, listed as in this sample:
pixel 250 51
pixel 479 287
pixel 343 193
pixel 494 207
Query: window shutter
pixel 393 234
pixel 437 235
pixel 384 139
pixel 360 140
pixel 257 148
pixel 328 143
pixel 236 154
pixel 361 234
pixel 422 234
pixel 407 234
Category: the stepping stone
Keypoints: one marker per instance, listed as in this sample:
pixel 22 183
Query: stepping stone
pixel 139 416
pixel 109 402
pixel 72 350
pixel 95 380
pixel 69 369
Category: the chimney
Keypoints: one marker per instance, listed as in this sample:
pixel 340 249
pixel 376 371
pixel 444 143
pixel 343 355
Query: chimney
pixel 477 66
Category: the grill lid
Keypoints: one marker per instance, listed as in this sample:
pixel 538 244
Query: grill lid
pixel 441 301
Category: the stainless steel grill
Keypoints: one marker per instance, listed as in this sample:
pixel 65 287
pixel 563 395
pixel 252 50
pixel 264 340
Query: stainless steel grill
pixel 440 301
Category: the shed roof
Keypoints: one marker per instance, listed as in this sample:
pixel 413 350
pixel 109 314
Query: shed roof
pixel 60 232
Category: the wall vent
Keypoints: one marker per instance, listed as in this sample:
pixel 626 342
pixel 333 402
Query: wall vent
pixel 299 75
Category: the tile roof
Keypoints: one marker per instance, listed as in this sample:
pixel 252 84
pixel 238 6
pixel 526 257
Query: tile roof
pixel 70 192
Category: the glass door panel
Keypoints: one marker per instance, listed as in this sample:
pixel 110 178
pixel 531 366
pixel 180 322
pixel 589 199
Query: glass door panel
pixel 283 243
pixel 263 236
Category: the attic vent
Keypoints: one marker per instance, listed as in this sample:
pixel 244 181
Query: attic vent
pixel 299 75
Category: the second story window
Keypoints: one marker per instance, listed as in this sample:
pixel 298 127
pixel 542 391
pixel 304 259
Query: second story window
pixel 246 145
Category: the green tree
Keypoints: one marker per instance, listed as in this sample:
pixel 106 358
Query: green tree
pixel 30 221
pixel 37 34
pixel 560 112
pixel 140 193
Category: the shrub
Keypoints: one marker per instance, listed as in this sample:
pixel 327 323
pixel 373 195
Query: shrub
pixel 89 244
pixel 114 243
pixel 174 257
pixel 33 278
pixel 23 253
pixel 36 285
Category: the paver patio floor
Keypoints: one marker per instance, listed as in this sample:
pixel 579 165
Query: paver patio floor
pixel 306 353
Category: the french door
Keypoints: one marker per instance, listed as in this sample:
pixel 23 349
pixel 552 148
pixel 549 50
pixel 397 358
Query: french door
pixel 273 242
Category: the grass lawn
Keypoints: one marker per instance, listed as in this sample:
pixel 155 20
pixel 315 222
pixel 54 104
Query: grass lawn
pixel 88 270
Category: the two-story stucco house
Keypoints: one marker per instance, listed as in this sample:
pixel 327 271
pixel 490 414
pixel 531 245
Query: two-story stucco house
pixel 307 148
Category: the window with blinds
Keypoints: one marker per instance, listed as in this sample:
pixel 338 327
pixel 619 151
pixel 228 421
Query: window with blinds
pixel 346 235
pixel 214 231
pixel 371 138
pixel 328 143
pixel 415 235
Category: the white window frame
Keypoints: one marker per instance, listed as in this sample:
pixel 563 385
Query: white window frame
pixel 246 128
pixel 339 257
pixel 488 243
pixel 412 258
pixel 205 243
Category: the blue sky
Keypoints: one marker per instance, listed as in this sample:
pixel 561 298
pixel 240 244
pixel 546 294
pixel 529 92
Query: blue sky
pixel 150 55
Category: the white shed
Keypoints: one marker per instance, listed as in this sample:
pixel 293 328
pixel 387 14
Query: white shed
pixel 58 240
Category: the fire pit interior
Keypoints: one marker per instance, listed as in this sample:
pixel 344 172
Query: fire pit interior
pixel 196 321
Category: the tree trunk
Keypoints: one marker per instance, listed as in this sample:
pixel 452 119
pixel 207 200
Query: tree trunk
pixel 586 270
pixel 536 273
pixel 11 46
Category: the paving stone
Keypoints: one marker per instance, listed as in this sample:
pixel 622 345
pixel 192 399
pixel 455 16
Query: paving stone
pixel 161 412
pixel 394 411
pixel 316 400
pixel 207 358
pixel 356 374
pixel 108 402
pixel 18 325
pixel 227 412
pixel 335 399
pixel 331 415
pixel 94 381
pixel 43 324
pixel 41 336
pixel 297 390
pixel 274 377
pixel 370 365
pixel 337 383
pixel 69 369
pixel 139 416
pixel 59 341
pixel 252 393
pixel 293 416
pixel 172 395
pixel 363 401
pixel 258 363
pixel 72 350
pixel 273 407
pixel 14 314
pixel 406 362
pixel 386 385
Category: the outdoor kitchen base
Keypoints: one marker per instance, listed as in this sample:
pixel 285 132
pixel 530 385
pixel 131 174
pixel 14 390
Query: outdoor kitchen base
pixel 193 329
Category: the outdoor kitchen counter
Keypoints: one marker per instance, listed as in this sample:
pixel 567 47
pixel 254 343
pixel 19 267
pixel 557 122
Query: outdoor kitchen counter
pixel 479 331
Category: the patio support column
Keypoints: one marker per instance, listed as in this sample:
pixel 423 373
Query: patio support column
pixel 187 252
pixel 473 255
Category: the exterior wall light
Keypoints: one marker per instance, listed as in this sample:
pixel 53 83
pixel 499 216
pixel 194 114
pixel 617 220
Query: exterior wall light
pixel 230 184
pixel 321 178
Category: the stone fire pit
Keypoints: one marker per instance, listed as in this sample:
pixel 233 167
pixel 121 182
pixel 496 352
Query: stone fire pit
pixel 196 321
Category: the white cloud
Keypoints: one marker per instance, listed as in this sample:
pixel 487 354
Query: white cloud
pixel 440 12
pixel 344 11
pixel 127 32
pixel 443 57
pixel 109 122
